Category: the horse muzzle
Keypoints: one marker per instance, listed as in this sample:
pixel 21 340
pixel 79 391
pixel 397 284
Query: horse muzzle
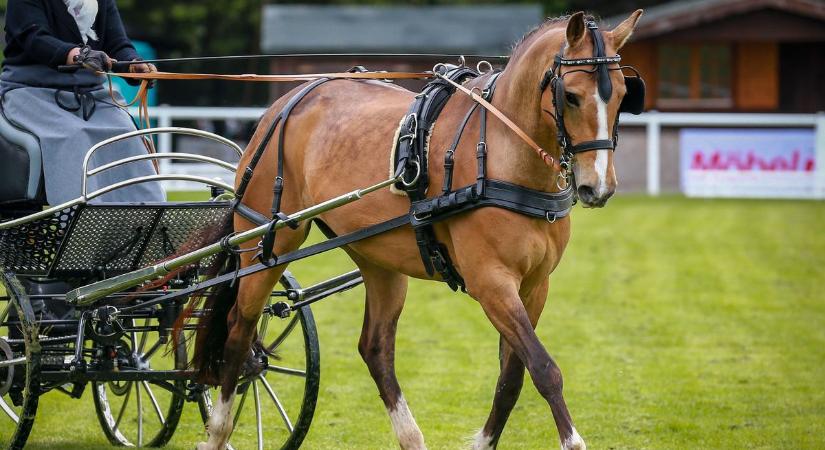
pixel 590 197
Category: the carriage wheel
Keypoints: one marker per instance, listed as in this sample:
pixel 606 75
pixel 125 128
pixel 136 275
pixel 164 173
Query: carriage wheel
pixel 19 364
pixel 143 413
pixel 274 408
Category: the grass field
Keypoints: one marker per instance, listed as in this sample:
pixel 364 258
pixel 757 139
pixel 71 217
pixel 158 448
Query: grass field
pixel 678 324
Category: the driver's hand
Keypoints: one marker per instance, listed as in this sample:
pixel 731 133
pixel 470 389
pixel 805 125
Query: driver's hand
pixel 142 68
pixel 93 59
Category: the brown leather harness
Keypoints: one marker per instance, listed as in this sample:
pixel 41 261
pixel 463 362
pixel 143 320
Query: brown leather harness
pixel 411 160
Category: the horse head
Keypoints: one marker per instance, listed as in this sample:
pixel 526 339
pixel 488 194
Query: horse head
pixel 583 92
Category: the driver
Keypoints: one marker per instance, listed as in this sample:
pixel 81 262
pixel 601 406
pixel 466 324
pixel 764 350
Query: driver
pixel 71 112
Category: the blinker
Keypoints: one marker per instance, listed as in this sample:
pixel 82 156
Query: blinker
pixel 602 74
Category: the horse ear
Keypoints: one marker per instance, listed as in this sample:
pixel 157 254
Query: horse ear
pixel 575 29
pixel 623 30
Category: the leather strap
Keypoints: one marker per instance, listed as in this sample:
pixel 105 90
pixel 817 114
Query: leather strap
pixel 276 78
pixel 546 157
pixel 601 144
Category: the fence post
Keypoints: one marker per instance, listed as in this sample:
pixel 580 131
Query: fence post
pixel 819 164
pixel 654 131
pixel 165 139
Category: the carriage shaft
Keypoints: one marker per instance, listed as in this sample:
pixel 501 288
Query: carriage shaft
pixel 89 294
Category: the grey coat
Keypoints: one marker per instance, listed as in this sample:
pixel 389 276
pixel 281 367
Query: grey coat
pixel 65 135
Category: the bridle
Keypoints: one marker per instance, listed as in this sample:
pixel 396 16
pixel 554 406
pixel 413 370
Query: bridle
pixel 633 101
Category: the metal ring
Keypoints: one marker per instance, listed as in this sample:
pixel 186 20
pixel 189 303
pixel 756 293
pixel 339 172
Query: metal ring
pixel 483 63
pixel 417 175
pixel 547 216
pixel 461 61
pixel 559 179
pixel 440 69
pixel 477 91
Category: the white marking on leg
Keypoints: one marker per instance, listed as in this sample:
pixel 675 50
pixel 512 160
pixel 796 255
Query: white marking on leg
pixel 482 442
pixel 574 442
pixel 403 423
pixel 600 164
pixel 219 425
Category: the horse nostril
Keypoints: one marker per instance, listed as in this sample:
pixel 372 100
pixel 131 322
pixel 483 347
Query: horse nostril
pixel 586 193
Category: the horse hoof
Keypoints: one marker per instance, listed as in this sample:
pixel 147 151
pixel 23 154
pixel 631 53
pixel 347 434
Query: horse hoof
pixel 574 442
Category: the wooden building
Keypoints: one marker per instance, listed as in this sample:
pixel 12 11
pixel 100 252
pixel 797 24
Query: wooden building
pixel 698 57
pixel 731 55
pixel 466 30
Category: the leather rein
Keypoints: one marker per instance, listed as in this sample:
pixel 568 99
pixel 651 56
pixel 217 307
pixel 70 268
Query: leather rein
pixel 145 78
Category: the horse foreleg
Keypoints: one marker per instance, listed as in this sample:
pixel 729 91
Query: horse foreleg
pixel 501 303
pixel 508 388
pixel 385 298
pixel 243 318
pixel 511 378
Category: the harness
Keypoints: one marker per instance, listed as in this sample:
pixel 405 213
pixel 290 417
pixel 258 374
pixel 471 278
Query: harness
pixel 411 161
pixel 485 192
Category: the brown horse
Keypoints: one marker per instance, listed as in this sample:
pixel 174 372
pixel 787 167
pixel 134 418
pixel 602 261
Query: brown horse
pixel 338 138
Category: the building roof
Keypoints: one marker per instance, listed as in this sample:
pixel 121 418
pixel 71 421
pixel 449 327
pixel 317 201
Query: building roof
pixel 681 14
pixel 482 29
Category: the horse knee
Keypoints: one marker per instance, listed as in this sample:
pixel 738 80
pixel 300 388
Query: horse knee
pixel 548 380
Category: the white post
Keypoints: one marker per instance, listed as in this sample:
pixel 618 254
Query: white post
pixel 165 139
pixel 654 131
pixel 819 171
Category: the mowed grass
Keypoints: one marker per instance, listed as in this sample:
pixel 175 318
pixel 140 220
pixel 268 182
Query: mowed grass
pixel 678 324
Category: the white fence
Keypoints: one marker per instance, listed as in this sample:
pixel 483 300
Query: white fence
pixel 652 121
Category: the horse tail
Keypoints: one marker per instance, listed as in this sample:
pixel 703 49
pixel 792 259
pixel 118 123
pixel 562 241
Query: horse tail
pixel 212 329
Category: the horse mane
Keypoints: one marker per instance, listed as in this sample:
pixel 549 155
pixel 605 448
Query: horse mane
pixel 547 24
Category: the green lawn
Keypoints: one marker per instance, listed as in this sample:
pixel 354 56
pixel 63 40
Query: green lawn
pixel 678 324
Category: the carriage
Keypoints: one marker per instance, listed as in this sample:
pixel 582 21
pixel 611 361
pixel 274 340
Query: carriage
pixel 101 294
pixel 124 347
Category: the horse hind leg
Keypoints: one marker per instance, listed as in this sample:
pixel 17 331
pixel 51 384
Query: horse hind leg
pixel 242 321
pixel 386 291
pixel 253 293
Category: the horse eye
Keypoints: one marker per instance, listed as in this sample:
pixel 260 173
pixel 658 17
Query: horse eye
pixel 571 99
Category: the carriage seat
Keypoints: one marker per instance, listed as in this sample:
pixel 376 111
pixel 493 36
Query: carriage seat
pixel 21 171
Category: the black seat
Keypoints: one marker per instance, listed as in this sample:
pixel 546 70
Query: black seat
pixel 21 173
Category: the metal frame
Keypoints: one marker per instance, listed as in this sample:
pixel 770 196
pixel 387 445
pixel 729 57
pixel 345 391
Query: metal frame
pixel 89 294
pixel 153 156
pixel 168 155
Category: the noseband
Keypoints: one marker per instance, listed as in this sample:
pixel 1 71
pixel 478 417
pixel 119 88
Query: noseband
pixel 632 103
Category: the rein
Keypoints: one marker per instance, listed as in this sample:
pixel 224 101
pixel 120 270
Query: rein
pixel 546 157
pixel 276 78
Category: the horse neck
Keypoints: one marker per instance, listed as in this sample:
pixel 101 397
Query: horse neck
pixel 518 97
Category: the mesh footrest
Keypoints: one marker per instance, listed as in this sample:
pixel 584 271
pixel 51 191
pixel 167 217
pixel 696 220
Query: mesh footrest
pixel 108 239
pixel 31 248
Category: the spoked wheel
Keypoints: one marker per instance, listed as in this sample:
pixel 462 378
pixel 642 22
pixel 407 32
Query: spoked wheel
pixel 19 366
pixel 138 412
pixel 274 409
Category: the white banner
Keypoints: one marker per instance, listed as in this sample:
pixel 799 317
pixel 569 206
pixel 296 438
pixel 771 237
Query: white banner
pixel 762 163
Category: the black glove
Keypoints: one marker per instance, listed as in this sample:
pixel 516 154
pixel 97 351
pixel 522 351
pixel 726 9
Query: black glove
pixel 93 59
